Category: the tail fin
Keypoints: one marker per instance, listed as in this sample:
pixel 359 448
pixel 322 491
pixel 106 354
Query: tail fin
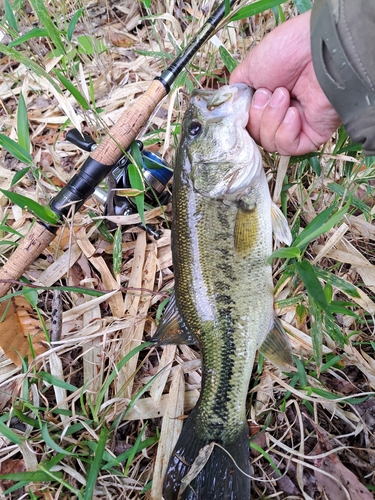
pixel 221 478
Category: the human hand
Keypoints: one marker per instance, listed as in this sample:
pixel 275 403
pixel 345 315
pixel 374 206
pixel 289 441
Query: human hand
pixel 289 111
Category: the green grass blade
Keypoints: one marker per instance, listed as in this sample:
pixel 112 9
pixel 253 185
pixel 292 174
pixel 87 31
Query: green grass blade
pixel 28 420
pixel 115 462
pixel 136 397
pixel 337 308
pixel 9 434
pixel 309 234
pixel 301 372
pixel 31 477
pixel 136 180
pixel 23 125
pixel 334 331
pixel 329 395
pixel 227 7
pixel 50 379
pixel 57 477
pixel 134 450
pixel 337 282
pixel 286 253
pixel 15 487
pixel 331 362
pixel 46 21
pixel 119 366
pixel 117 252
pixel 8 229
pixel 312 284
pixel 72 24
pixel 96 465
pixel 74 289
pixel 255 8
pixel 340 190
pixel 73 90
pixel 229 62
pixel 9 16
pixel 33 33
pixel 266 456
pixel 328 292
pixel 19 175
pixel 51 443
pixel 44 213
pixel 11 243
pixel 89 45
pixel 15 149
pixel 316 331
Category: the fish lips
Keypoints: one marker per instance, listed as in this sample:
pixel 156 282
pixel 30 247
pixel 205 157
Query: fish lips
pixel 236 99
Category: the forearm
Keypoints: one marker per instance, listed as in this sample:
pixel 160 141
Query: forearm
pixel 342 44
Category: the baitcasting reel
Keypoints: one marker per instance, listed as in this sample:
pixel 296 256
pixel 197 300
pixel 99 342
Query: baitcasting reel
pixel 156 173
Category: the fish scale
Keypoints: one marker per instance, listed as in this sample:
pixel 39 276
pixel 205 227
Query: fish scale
pixel 240 291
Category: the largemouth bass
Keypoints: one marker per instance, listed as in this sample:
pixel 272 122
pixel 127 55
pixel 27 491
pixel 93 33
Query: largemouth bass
pixel 223 298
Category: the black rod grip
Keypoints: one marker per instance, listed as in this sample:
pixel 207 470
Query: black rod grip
pixel 80 187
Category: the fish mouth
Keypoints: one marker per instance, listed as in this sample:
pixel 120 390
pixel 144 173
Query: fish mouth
pixel 227 100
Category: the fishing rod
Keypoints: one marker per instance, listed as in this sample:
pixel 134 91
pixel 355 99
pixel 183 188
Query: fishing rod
pixel 104 157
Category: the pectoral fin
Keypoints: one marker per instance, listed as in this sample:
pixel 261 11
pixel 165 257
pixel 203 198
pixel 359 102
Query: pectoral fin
pixel 276 347
pixel 280 226
pixel 172 329
pixel 246 229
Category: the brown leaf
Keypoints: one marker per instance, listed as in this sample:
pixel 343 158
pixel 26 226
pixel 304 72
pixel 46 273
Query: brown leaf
pixel 19 324
pixel 120 39
pixel 345 480
pixel 64 238
pixel 11 466
pixel 340 482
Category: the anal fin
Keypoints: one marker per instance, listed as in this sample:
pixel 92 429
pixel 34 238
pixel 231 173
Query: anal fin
pixel 276 347
pixel 172 328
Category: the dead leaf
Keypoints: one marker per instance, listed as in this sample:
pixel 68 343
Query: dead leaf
pixel 11 466
pixel 335 480
pixel 170 430
pixel 340 482
pixel 120 39
pixel 197 467
pixel 19 325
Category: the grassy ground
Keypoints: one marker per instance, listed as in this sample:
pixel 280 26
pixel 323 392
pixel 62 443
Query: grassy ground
pixel 82 417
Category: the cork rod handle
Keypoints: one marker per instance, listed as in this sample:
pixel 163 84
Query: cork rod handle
pixel 129 125
pixel 29 249
pixel 108 152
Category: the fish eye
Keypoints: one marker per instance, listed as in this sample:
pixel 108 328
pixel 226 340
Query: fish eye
pixel 195 128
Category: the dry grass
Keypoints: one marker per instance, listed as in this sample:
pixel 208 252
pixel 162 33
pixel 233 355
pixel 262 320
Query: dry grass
pixel 313 440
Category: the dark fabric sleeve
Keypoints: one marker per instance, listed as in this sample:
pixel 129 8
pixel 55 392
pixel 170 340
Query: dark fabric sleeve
pixel 343 53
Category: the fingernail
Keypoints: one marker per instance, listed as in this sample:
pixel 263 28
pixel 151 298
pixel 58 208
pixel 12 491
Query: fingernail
pixel 289 117
pixel 277 98
pixel 260 99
